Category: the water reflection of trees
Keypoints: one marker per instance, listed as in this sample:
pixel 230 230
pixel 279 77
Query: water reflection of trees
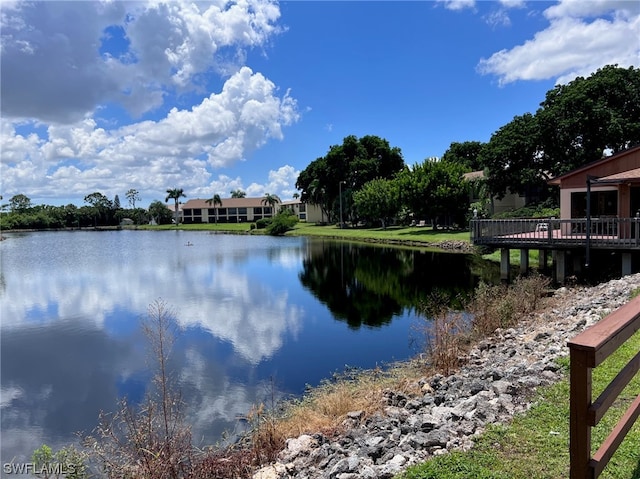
pixel 368 285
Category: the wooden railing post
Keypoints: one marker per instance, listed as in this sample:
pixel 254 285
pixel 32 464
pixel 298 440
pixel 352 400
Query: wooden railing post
pixel 580 428
pixel 587 351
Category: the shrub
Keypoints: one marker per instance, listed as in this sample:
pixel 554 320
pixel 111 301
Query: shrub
pixel 499 306
pixel 281 223
pixel 263 223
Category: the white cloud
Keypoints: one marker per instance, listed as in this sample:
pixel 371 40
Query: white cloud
pixel 281 182
pixel 169 44
pixel 137 56
pixel 458 4
pixel 182 148
pixel 581 37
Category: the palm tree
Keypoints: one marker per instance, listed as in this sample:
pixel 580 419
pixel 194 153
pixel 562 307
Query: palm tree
pixel 238 193
pixel 175 194
pixel 215 200
pixel 296 196
pixel 271 200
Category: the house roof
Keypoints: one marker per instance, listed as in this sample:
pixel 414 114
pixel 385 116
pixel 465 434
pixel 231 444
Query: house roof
pixel 474 175
pixel 629 175
pixel 226 203
pixel 605 167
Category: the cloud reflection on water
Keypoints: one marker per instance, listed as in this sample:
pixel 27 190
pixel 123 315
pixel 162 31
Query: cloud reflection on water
pixel 70 341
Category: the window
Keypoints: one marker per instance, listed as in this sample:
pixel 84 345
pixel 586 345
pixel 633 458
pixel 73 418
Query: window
pixel 233 211
pixel 603 203
pixel 242 211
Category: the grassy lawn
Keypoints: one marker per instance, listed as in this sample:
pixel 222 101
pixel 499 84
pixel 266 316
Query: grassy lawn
pixel 394 233
pixel 391 234
pixel 221 227
pixel 536 445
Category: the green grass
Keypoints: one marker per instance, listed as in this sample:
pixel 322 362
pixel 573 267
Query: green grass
pixel 393 234
pixel 536 445
pixel 409 234
pixel 220 227
pixel 514 257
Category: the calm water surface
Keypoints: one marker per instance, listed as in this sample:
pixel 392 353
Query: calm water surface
pixel 256 316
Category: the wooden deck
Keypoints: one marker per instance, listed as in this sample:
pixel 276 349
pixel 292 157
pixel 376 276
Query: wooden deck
pixel 598 233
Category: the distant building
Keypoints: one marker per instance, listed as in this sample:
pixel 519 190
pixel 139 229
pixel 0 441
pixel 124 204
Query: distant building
pixel 243 210
pixel 304 211
pixel 510 201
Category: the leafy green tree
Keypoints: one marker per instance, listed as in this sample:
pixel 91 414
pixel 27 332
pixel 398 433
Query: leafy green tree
pixel 215 200
pixel 101 206
pixel 580 121
pixel 351 164
pixel 466 153
pixel 19 203
pixel 159 212
pixel 175 194
pixel 576 124
pixel 435 189
pixel 513 157
pixel 238 193
pixel 272 201
pixel 116 202
pixel 133 196
pixel 378 199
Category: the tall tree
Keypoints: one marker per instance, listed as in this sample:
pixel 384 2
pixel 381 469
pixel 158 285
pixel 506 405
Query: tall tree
pixel 100 205
pixel 514 159
pixel 434 189
pixel 587 117
pixel 159 212
pixel 116 202
pixel 215 200
pixel 272 201
pixel 466 154
pixel 238 193
pixel 133 196
pixel 378 199
pixel 175 194
pixel 345 168
pixel 19 203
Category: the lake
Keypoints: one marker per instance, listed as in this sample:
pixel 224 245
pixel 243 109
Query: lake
pixel 256 316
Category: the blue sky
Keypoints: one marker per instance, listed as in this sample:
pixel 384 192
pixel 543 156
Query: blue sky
pixel 215 96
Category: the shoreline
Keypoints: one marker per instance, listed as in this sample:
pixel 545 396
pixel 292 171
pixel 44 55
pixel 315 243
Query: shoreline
pixel 438 414
pixel 448 245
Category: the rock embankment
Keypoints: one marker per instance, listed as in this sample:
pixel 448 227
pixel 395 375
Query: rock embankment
pixel 495 383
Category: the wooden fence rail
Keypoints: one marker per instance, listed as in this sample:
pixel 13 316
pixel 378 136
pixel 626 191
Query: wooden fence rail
pixel 587 351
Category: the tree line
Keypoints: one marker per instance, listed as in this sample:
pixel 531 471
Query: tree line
pixel 577 123
pixel 366 179
pixel 99 210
